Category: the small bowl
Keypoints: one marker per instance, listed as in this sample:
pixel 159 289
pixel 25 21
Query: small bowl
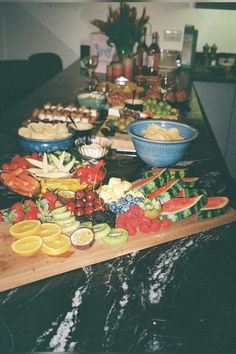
pixel 83 129
pixel 93 100
pixel 136 104
pixel 45 145
pixel 94 147
pixel 158 153
pixel 65 196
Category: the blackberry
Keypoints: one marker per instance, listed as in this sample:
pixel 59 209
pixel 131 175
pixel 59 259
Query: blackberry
pixel 106 216
pixel 84 218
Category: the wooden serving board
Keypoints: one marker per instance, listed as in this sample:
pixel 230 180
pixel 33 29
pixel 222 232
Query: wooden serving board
pixel 16 270
pixel 120 141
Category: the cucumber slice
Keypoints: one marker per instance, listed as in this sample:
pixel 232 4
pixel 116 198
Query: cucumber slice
pixel 116 236
pixel 71 228
pixel 101 230
pixel 88 224
pixel 64 222
pixel 61 216
pixel 59 210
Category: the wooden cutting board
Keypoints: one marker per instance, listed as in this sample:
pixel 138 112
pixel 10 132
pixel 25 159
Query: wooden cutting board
pixel 16 270
pixel 120 141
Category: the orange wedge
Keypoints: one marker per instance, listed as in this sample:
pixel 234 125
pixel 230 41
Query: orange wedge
pixel 25 228
pixel 49 232
pixel 27 246
pixel 56 247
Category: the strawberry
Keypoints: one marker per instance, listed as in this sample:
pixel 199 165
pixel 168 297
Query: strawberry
pixel 28 203
pixel 51 205
pixel 1 217
pixel 17 206
pixel 31 213
pixel 50 196
pixel 14 216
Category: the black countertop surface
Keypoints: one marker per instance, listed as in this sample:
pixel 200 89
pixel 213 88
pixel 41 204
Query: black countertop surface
pixel 176 297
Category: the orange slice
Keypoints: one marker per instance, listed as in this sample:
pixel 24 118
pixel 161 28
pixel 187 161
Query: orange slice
pixel 27 246
pixel 25 228
pixel 49 232
pixel 56 247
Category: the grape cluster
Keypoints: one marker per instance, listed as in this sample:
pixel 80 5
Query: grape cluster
pixel 158 108
pixel 124 203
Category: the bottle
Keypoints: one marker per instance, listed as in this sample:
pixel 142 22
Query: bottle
pixel 206 56
pixel 153 55
pixel 141 58
pixel 213 56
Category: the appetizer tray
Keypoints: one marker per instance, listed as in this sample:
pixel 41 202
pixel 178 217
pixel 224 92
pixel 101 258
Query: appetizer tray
pixel 17 271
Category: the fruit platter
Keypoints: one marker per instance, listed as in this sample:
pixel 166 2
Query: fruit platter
pixel 71 216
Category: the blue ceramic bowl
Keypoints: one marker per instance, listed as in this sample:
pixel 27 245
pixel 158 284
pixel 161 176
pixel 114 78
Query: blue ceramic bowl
pixel 40 145
pixel 161 153
pixel 92 100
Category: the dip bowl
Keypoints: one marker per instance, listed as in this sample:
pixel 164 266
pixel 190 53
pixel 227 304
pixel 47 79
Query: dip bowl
pixel 93 100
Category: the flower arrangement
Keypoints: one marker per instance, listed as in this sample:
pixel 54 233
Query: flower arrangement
pixel 123 28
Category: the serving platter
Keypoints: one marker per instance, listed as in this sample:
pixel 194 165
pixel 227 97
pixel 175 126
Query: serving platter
pixel 17 271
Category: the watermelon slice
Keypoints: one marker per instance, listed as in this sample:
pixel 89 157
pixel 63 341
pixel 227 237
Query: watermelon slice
pixel 179 208
pixel 190 192
pixel 177 172
pixel 166 192
pixel 174 172
pixel 215 206
pixel 188 182
pixel 151 183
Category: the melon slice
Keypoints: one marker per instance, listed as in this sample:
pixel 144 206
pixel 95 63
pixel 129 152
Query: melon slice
pixel 179 208
pixel 215 206
pixel 189 182
pixel 174 172
pixel 191 192
pixel 151 183
pixel 166 192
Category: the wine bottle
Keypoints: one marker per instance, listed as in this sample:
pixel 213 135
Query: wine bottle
pixel 141 58
pixel 153 55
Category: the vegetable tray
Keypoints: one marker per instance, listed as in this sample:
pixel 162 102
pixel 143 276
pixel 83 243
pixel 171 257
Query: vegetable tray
pixel 16 270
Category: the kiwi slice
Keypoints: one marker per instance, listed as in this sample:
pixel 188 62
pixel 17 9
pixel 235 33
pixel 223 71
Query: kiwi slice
pixel 101 230
pixel 116 236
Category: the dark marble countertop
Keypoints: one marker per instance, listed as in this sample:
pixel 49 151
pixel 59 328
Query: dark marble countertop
pixel 176 297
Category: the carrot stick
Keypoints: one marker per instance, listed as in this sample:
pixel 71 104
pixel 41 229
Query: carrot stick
pixel 27 178
pixel 18 184
pixel 13 174
pixel 5 177
pixel 19 191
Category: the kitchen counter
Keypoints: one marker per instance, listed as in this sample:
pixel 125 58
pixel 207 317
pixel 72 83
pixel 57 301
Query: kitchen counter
pixel 212 74
pixel 168 298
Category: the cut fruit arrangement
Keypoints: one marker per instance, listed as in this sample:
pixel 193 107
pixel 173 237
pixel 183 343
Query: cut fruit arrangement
pixel 81 217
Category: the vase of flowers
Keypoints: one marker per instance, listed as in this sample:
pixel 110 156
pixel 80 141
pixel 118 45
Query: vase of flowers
pixel 123 28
